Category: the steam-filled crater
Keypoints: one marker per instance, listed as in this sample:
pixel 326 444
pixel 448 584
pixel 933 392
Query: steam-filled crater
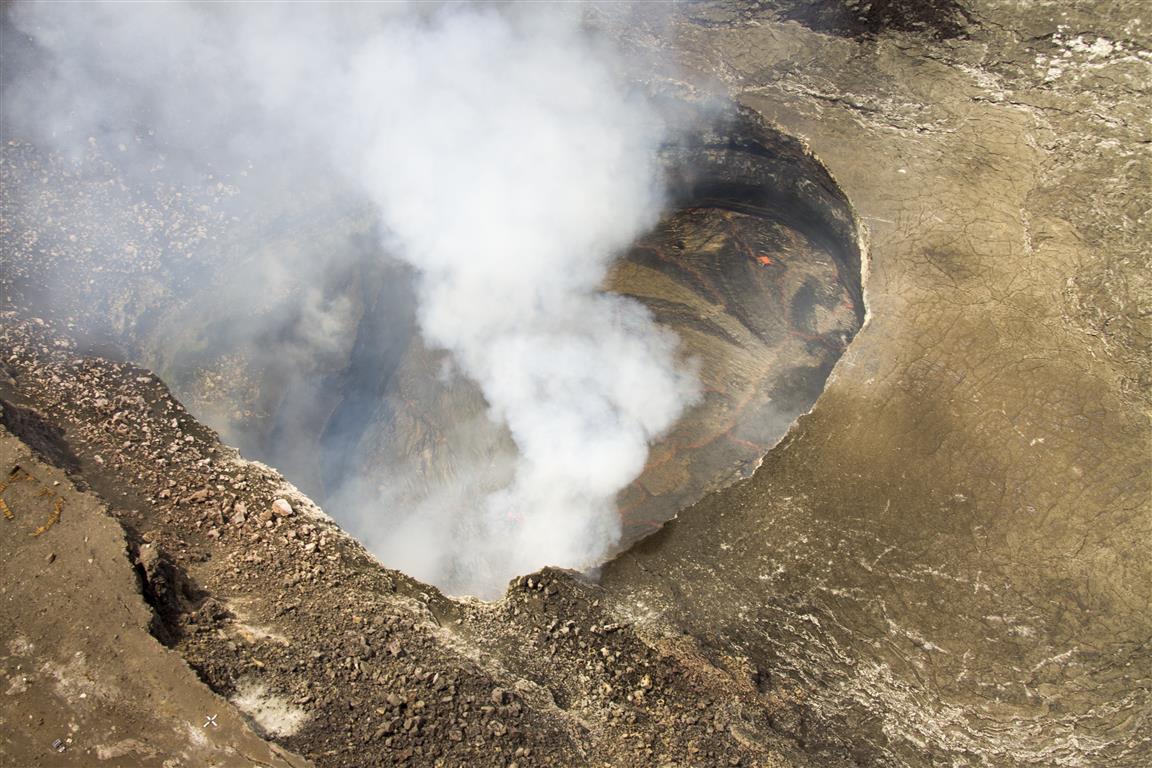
pixel 755 266
pixel 290 329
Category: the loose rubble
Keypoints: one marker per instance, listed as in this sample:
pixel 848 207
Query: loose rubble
pixel 254 586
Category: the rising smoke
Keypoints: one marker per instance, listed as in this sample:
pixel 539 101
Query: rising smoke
pixel 509 160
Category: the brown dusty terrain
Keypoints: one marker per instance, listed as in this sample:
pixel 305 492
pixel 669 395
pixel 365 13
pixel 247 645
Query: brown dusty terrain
pixel 337 658
pixel 79 664
pixel 947 562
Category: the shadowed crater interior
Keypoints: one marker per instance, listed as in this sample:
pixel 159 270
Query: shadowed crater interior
pixel 274 312
pixel 756 266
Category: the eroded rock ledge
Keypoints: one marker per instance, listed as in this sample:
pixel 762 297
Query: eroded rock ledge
pixel 336 657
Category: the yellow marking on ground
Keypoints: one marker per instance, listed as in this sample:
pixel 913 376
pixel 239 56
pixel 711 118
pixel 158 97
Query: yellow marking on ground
pixel 52 519
pixel 6 510
pixel 18 474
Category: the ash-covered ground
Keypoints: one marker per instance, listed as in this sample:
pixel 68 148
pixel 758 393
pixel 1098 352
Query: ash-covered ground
pixel 944 563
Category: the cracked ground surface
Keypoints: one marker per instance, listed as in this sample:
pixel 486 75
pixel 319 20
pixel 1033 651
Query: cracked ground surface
pixel 950 554
pixel 947 562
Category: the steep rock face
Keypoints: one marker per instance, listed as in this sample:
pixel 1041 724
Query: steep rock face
pixel 756 268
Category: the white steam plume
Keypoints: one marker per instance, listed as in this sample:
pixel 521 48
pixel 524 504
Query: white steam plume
pixel 510 161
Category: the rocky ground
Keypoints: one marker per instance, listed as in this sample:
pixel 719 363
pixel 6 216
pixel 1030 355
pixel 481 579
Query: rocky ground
pixel 334 656
pixel 945 563
pixel 85 681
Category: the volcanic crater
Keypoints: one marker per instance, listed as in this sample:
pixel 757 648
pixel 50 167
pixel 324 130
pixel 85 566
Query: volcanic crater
pixel 945 562
pixel 756 266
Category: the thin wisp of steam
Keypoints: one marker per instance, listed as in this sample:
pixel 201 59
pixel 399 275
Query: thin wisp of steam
pixel 509 159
